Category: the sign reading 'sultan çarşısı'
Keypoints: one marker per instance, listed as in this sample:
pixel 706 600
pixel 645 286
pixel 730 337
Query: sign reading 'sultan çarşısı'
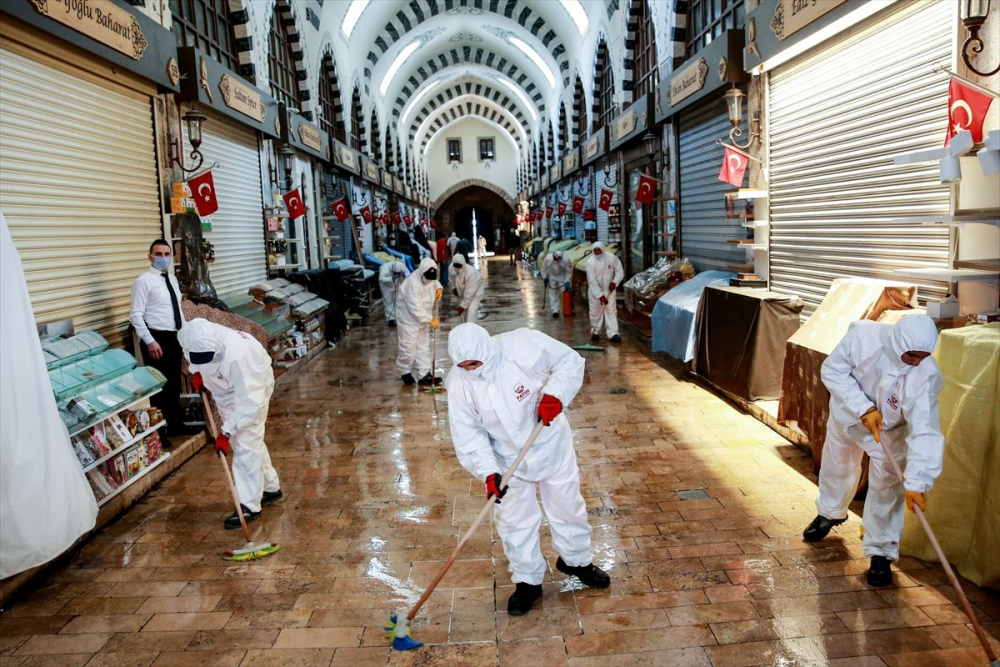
pixel 688 81
pixel 242 98
pixel 101 20
pixel 790 16
pixel 310 136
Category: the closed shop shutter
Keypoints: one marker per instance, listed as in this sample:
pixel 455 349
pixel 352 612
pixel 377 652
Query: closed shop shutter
pixel 601 184
pixel 837 117
pixel 79 190
pixel 238 226
pixel 704 227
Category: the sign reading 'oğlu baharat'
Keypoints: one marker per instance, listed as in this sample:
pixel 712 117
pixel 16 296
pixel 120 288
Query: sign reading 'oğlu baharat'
pixel 242 98
pixel 790 16
pixel 101 20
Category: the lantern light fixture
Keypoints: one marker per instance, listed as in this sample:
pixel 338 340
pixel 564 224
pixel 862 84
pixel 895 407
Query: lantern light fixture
pixel 193 121
pixel 974 15
pixel 734 98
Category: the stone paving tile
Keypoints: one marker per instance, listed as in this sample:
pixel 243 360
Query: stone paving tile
pixel 696 509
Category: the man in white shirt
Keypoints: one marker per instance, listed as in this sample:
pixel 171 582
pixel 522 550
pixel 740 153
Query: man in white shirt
pixel 157 317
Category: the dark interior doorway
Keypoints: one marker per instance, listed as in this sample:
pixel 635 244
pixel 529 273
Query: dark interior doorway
pixel 484 225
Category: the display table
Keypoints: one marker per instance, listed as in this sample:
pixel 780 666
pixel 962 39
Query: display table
pixel 742 333
pixel 963 508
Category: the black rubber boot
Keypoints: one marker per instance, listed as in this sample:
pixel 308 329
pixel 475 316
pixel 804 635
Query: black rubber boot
pixel 392 324
pixel 616 339
pixel 555 314
pixel 233 521
pixel 595 338
pixel 408 380
pixel 269 498
pixel 524 596
pixel 590 575
pixel 879 572
pixel 429 380
pixel 820 528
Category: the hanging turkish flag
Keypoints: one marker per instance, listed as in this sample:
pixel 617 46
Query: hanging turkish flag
pixel 434 224
pixel 562 209
pixel 578 205
pixel 548 212
pixel 340 210
pixel 967 109
pixel 408 219
pixel 396 218
pixel 366 214
pixel 203 192
pixel 538 216
pixel 734 164
pixel 293 202
pixel 647 188
pixel 605 203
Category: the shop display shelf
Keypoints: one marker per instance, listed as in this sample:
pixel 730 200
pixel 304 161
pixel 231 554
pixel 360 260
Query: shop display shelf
pixel 163 457
pixel 78 376
pixel 122 448
pixel 63 351
pixel 80 428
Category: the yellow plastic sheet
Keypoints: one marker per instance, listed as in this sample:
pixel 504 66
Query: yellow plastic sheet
pixel 963 508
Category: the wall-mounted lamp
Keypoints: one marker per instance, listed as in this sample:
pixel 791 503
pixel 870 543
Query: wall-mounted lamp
pixel 950 165
pixel 364 198
pixel 286 154
pixel 567 191
pixel 734 105
pixel 974 14
pixel 581 185
pixel 193 119
pixel 607 174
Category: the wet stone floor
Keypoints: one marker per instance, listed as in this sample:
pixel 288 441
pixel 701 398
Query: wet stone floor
pixel 696 511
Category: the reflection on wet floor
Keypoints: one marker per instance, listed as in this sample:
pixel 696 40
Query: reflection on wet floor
pixel 696 511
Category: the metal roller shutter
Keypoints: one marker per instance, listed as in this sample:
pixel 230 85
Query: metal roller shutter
pixel 79 190
pixel 238 226
pixel 703 224
pixel 837 117
pixel 600 184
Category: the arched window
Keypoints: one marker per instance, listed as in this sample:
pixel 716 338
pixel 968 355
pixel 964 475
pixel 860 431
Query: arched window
pixel 331 117
pixel 645 73
pixel 357 124
pixel 579 113
pixel 604 92
pixel 565 138
pixel 205 24
pixel 707 19
pixel 376 140
pixel 281 65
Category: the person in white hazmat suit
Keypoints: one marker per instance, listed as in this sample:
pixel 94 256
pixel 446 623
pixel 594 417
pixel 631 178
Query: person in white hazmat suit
pixel 498 389
pixel 390 275
pixel 468 288
pixel 414 320
pixel 883 384
pixel 237 370
pixel 556 274
pixel 604 274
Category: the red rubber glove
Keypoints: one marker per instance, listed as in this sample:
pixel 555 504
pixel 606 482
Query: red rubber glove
pixel 604 300
pixel 492 482
pixel 548 409
pixel 222 444
pixel 455 292
pixel 460 310
pixel 612 287
pixel 197 383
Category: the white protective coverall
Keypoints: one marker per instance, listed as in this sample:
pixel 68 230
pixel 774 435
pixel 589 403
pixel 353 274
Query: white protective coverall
pixel 602 270
pixel 390 275
pixel 492 411
pixel 558 272
pixel 241 381
pixel 452 243
pixel 414 311
pixel 865 370
pixel 468 283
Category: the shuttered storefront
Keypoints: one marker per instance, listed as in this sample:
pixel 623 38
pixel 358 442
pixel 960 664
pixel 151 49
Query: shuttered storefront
pixel 600 184
pixel 837 117
pixel 703 224
pixel 79 190
pixel 238 226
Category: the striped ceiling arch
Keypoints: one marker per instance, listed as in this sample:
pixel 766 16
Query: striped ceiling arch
pixel 467 88
pixel 471 109
pixel 417 11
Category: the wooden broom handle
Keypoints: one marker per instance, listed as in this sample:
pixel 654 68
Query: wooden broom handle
pixel 475 524
pixel 213 432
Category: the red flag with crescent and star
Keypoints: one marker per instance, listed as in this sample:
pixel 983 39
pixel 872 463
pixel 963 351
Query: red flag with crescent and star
pixel 734 165
pixel 548 213
pixel 562 209
pixel 605 202
pixel 203 192
pixel 967 109
pixel 293 202
pixel 538 216
pixel 408 219
pixel 645 191
pixel 578 205
pixel 366 214
pixel 396 218
pixel 340 210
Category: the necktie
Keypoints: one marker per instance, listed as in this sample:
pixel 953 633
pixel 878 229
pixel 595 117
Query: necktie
pixel 173 302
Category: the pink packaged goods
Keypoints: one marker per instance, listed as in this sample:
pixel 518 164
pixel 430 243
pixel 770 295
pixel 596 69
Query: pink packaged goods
pixel 82 451
pixel 153 447
pixel 118 434
pixel 133 464
pixel 99 440
pixel 117 470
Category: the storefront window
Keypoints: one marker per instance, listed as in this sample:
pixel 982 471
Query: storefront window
pixel 645 73
pixel 707 19
pixel 636 258
pixel 280 65
pixel 205 24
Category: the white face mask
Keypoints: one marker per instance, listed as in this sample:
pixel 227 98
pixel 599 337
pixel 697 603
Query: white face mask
pixel 162 263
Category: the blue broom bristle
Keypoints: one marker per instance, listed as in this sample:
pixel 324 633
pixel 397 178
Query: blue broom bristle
pixel 405 643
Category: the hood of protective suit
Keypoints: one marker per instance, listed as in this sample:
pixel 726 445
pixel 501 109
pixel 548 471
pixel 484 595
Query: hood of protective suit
pixel 557 256
pixel 459 260
pixel 200 335
pixel 914 333
pixel 426 264
pixel 471 342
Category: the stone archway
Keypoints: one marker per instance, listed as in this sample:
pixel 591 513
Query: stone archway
pixel 452 210
pixel 468 183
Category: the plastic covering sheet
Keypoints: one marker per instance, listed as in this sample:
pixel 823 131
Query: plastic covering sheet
pixel 645 288
pixel 963 508
pixel 45 501
pixel 673 317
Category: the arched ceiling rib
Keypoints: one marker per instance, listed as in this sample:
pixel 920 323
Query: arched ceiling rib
pixel 439 131
pixel 469 88
pixel 469 105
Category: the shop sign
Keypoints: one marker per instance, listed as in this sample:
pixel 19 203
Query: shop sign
pixel 101 20
pixel 688 81
pixel 242 98
pixel 387 180
pixel 790 16
pixel 345 157
pixel 591 147
pixel 311 136
pixel 569 163
pixel 626 124
pixel 371 171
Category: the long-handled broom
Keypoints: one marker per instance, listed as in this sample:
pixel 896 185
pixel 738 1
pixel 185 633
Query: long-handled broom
pixel 990 654
pixel 250 551
pixel 399 625
pixel 435 387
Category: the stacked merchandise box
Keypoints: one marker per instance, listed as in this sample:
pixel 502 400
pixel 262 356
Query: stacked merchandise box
pixel 293 302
